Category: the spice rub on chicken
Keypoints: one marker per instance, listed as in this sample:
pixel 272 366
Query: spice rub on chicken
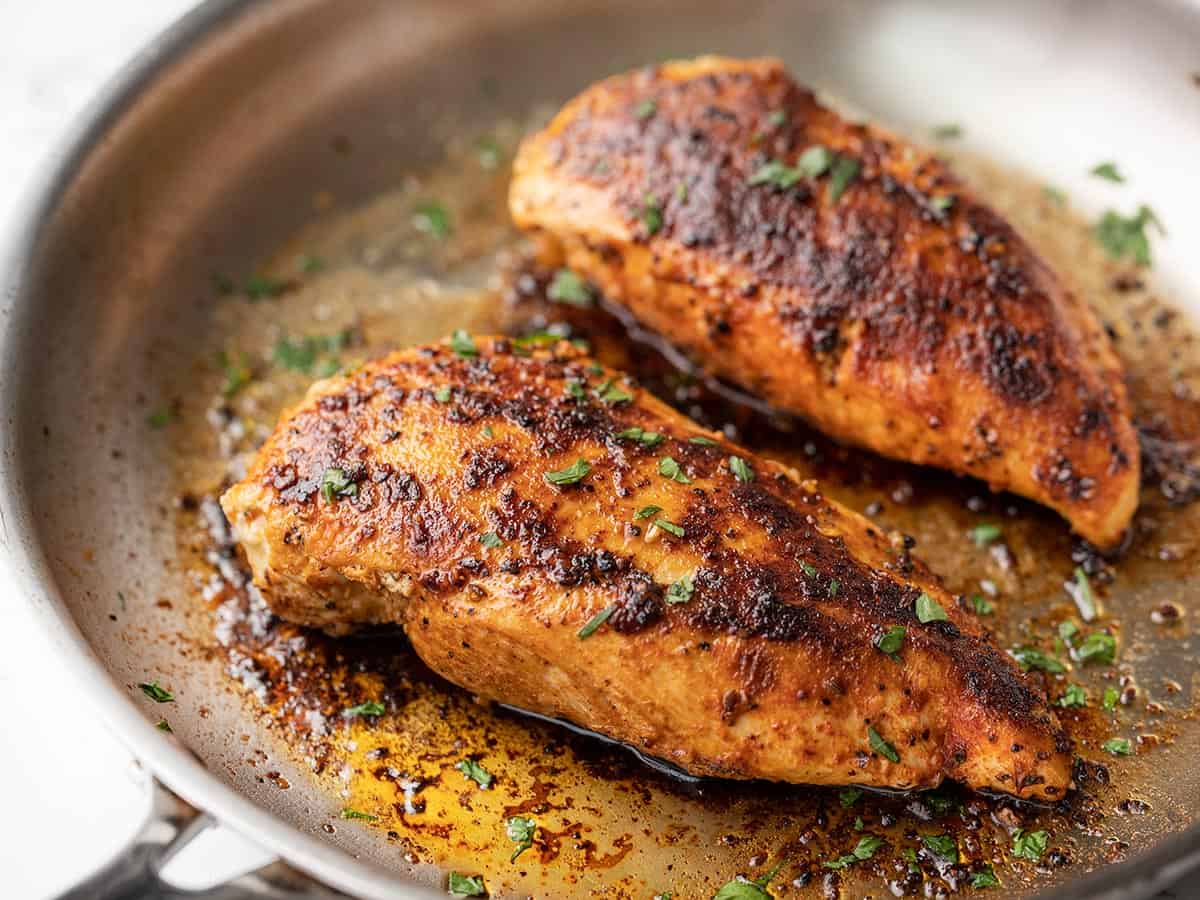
pixel 551 536
pixel 837 272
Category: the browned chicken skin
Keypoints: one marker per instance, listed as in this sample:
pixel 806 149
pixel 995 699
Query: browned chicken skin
pixel 860 285
pixel 733 610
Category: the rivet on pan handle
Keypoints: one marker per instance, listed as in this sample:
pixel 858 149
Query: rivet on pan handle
pixel 172 824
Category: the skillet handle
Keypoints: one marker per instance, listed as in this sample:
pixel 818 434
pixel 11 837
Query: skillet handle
pixel 171 825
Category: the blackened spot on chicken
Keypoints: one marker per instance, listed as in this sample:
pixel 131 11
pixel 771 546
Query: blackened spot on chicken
pixel 1015 364
pixel 639 604
pixel 484 467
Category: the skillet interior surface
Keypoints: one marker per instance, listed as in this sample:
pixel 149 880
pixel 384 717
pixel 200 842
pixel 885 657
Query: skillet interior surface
pixel 262 189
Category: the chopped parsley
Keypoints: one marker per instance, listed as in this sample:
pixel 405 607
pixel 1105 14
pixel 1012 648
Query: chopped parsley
pixel 1029 844
pixel 669 468
pixel 301 354
pixel 928 610
pixel 813 163
pixel 1074 697
pixel 681 590
pixel 567 287
pixel 984 878
pixel 651 216
pixel 1123 236
pixel 891 641
pixel 442 394
pixel 647 511
pixel 1085 600
pixel 702 441
pixel 834 587
pixel 520 831
pixel 156 692
pixel 160 418
pixel 645 109
pixel 1117 747
pixel 491 540
pixel 849 796
pixel 1030 658
pixel 983 534
pixel 575 389
pixel 681 191
pixel 260 287
pixel 941 845
pixel 163 725
pixel 336 483
pixel 1097 647
pixel 844 171
pixel 777 117
pixel 941 203
pixel 572 474
pixel 594 623
pixel 608 392
pixel 643 437
pixel 310 263
pixel 463 344
pixel 431 217
pixel 466 885
pixel 982 605
pixel 742 888
pixel 1111 697
pixel 808 569
pixel 349 813
pixel 370 708
pixel 669 526
pixel 237 370
pixel 881 746
pixel 488 152
pixel 1108 171
pixel 864 849
pixel 741 469
pixel 474 771
pixel 947 132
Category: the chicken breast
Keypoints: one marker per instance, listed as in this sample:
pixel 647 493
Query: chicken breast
pixel 553 537
pixel 837 272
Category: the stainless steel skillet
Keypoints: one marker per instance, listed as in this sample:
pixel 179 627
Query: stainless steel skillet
pixel 201 157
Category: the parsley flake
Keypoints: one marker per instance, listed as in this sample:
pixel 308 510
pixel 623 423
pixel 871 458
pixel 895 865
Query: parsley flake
pixel 1117 747
pixel 466 885
pixel 336 483
pixel 1108 171
pixel 881 746
pixel 567 287
pixel 891 641
pixel 669 468
pixel 742 888
pixel 849 796
pixel 702 441
pixel 741 469
pixel 608 392
pixel 929 610
pixel 777 117
pixel 643 437
pixel 370 708
pixel 645 109
pixel 1029 845
pixel 941 845
pixel 984 534
pixel 669 526
pixel 982 605
pixel 572 474
pixel 651 216
pixel 163 725
pixel 349 813
pixel 474 771
pixel 260 287
pixel 431 217
pixel 681 590
pixel 1123 236
pixel 160 418
pixel 463 344
pixel 442 394
pixel 594 623
pixel 1111 696
pixel 864 849
pixel 1097 647
pixel 984 878
pixel 1031 658
pixel 1084 598
pixel 156 692
pixel 948 132
pixel 1074 697
pixel 491 540
pixel 647 511
pixel 520 831
pixel 844 171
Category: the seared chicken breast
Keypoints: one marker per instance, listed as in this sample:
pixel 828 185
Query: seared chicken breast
pixel 837 272
pixel 551 536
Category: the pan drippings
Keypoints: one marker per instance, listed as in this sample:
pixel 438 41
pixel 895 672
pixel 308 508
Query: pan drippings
pixel 535 808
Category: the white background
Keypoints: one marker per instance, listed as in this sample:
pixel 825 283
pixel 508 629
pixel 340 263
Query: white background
pixel 68 799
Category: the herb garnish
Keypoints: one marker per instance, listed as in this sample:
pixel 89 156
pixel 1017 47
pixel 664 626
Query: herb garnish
pixel 163 725
pixel 156 692
pixel 742 888
pixel 1030 658
pixel 491 540
pixel 741 469
pixel 370 708
pixel 300 354
pixel 651 215
pixel 1085 600
pixel 336 483
pixel 1122 236
pixel 813 163
pixel 1117 747
pixel 310 263
pixel 702 441
pixel 982 605
pixel 259 287
pixel 1074 697
pixel 238 372
pixel 431 217
pixel 647 511
pixel 575 389
pixel 572 474
pixel 608 392
pixel 849 796
pixel 645 109
pixel 1029 845
pixel 669 526
pixel 442 394
pixel 983 534
pixel 681 590
pixel 595 622
pixel 881 746
pixel 1108 171
pixel 466 885
pixel 488 151
pixel 891 641
pixel 947 132
pixel 929 610
pixel 864 849
pixel 463 344
pixel 834 587
pixel 669 468
pixel 1097 647
pixel 1111 696
pixel 477 773
pixel 567 287
pixel 777 117
pixel 808 569
pixel 349 813
pixel 643 437
pixel 520 831
pixel 844 171
pixel 160 418
pixel 984 878
pixel 941 845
